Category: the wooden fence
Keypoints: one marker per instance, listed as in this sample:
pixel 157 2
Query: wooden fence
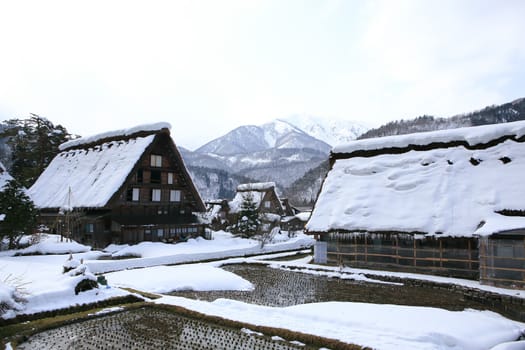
pixel 502 260
pixel 447 256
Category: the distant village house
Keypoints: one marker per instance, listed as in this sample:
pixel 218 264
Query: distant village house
pixel 267 203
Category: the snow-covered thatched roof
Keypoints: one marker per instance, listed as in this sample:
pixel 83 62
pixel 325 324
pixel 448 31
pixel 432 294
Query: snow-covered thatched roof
pixel 470 137
pixel 114 134
pixel 256 186
pixel 87 174
pixel 450 188
pixel 257 190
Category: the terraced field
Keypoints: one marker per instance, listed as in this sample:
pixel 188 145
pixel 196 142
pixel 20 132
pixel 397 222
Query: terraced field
pixel 274 287
pixel 150 328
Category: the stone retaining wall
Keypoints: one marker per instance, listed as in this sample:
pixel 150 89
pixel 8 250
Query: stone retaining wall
pixel 507 305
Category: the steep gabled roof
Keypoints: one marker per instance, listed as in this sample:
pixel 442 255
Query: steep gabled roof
pixel 89 171
pixel 256 186
pixel 258 190
pixel 463 182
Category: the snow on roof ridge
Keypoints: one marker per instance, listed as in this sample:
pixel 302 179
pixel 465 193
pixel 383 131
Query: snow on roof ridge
pixel 109 134
pixel 256 186
pixel 472 135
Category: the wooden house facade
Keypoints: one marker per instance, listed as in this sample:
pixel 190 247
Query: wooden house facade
pixel 448 202
pixel 126 186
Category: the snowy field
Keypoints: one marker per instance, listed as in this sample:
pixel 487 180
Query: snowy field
pixel 374 325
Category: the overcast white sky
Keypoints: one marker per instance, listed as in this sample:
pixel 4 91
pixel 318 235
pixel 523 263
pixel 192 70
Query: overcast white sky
pixel 210 66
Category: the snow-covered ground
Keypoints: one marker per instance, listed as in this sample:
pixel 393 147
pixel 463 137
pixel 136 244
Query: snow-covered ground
pixel 377 326
pixel 374 325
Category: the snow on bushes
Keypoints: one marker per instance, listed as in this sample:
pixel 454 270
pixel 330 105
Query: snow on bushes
pixel 80 271
pixel 54 244
pixel 11 298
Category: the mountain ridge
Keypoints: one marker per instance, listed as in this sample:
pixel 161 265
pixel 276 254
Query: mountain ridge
pixel 278 151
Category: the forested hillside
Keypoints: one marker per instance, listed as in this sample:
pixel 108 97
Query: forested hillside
pixel 508 112
pixel 28 145
pixel 304 191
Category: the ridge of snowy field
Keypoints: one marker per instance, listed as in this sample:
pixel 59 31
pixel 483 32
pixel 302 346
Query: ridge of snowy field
pixel 386 327
pixel 223 245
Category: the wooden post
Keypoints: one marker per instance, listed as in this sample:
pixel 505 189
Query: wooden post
pixel 366 249
pixel 396 242
pixel 482 259
pixel 440 253
pixel 469 254
pixel 355 247
pixel 415 250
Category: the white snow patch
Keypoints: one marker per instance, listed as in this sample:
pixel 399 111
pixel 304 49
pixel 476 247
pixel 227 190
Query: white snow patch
pixel 164 279
pixel 378 326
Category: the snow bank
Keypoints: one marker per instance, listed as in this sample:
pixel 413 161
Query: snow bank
pixel 8 301
pixel 51 244
pixel 163 279
pixel 222 246
pixel 378 326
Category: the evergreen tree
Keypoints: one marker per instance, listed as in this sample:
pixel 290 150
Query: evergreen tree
pixel 34 143
pixel 248 222
pixel 18 213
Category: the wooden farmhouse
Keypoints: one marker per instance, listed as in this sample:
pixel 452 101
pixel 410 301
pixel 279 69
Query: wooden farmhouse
pixel 448 202
pixel 125 186
pixel 267 203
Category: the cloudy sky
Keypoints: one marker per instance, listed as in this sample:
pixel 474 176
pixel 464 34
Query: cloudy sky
pixel 210 66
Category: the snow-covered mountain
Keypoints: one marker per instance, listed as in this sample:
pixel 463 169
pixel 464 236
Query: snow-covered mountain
pixel 331 131
pixel 250 138
pixel 279 151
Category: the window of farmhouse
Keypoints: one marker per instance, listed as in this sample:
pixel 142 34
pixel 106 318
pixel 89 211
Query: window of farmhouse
pixel 155 195
pixel 156 160
pixel 133 194
pixel 155 177
pixel 90 228
pixel 170 178
pixel 267 204
pixel 175 195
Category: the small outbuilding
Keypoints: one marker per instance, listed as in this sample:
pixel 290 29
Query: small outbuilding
pixel 448 202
